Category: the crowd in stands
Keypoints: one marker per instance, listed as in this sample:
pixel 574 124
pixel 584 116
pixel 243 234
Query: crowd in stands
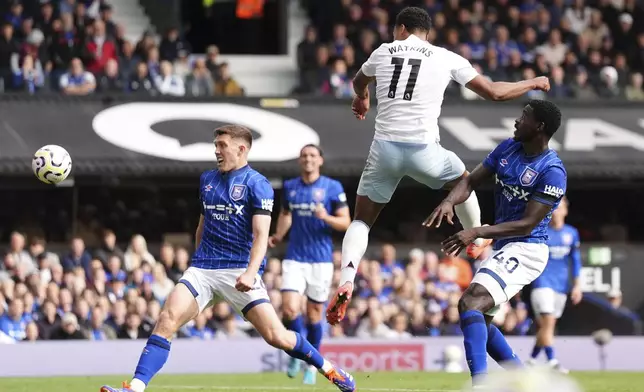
pixel 111 293
pixel 75 47
pixel 588 48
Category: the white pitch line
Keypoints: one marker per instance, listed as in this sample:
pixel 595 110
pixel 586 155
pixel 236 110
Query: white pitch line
pixel 273 388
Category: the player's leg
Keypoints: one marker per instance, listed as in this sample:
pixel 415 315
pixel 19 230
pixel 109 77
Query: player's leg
pixel 498 347
pixel 499 278
pixel 542 300
pixel 319 279
pixel 184 303
pixel 255 306
pixel 293 286
pixel 439 168
pixel 378 182
pixel 548 305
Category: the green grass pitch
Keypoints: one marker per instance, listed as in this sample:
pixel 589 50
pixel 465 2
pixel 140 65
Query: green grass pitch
pixel 275 382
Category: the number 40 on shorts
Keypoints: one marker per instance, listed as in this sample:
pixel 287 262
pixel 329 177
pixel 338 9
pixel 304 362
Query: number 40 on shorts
pixel 510 264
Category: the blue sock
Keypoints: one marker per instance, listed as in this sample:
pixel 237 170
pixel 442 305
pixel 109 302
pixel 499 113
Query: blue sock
pixel 475 341
pixel 296 325
pixel 500 350
pixel 550 352
pixel 154 356
pixel 306 352
pixel 314 334
pixel 535 351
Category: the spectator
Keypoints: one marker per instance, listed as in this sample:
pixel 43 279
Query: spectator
pixel 200 83
pixel 66 44
pixel 554 51
pixel 400 325
pixel 558 87
pixel 109 81
pixel 106 14
pixel 183 65
pixel 162 285
pixel 45 21
pixel 48 320
pixel 212 54
pixel 578 16
pixel 339 83
pixel 69 329
pixel 634 90
pixel 168 83
pixel 31 334
pixel 8 56
pixel 141 81
pixel 21 257
pixel 78 257
pixel 77 81
pixel 199 330
pixel 227 86
pixel 306 51
pixel 15 17
pixel 99 49
pixel 581 88
pixel 137 254
pixel 373 327
pixel 608 87
pixel 171 45
pixel 108 247
pixel 132 328
pixel 14 323
pixel 128 61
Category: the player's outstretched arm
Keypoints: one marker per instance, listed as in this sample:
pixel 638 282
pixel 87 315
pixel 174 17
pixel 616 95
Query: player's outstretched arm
pixel 458 195
pixel 535 212
pixel 505 91
pixel 361 84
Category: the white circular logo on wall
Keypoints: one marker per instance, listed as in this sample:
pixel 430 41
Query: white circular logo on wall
pixel 129 126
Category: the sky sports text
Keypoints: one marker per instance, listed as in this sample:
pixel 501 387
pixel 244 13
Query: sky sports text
pixel 359 358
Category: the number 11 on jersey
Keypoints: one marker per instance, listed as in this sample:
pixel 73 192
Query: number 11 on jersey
pixel 398 63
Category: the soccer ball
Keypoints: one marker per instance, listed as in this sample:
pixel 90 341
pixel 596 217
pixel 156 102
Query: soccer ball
pixel 51 164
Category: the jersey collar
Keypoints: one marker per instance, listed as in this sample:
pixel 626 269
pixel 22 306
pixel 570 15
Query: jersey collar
pixel 237 172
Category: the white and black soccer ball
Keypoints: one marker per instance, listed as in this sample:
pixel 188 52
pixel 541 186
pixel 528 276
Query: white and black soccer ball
pixel 51 164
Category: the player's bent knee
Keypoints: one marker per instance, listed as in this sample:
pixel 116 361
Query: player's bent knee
pixel 314 312
pixel 476 297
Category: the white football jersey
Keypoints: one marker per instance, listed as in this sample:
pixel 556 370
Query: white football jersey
pixel 411 78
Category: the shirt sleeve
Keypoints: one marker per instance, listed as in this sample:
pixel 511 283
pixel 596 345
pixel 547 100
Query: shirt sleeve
pixel 461 71
pixel 369 66
pixel 550 186
pixel 338 196
pixel 492 160
pixel 285 204
pixel 262 197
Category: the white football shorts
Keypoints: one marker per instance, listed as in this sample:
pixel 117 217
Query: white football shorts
pixel 311 279
pixel 548 301
pixel 212 285
pixel 511 268
pixel 388 162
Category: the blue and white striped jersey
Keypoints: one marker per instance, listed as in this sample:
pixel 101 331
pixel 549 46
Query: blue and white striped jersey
pixel 310 238
pixel 521 178
pixel 228 203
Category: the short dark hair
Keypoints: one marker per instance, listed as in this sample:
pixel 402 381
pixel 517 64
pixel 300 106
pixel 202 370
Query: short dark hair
pixel 414 19
pixel 313 146
pixel 548 113
pixel 236 132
